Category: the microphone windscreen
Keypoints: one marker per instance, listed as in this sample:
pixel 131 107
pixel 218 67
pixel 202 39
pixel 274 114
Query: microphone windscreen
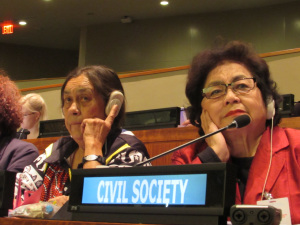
pixel 242 120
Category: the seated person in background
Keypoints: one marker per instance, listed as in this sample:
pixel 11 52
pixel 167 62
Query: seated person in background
pixel 14 154
pixel 34 110
pixel 96 135
pixel 222 84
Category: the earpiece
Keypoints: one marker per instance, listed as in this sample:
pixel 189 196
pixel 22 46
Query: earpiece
pixel 270 115
pixel 270 108
pixel 116 98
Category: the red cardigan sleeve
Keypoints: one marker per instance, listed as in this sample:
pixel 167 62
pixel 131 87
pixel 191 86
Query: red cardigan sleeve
pixel 188 155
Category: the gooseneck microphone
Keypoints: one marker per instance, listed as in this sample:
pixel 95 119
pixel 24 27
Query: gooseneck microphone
pixel 22 133
pixel 238 122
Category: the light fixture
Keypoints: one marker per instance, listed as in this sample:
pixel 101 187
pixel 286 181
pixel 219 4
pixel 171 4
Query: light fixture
pixel 126 19
pixel 22 23
pixel 164 3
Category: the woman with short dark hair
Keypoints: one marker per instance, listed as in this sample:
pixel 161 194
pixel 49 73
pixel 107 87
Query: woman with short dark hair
pixel 234 51
pixel 228 82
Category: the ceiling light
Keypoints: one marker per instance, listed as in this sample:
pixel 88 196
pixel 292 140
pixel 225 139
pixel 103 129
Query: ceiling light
pixel 164 3
pixel 22 23
pixel 126 19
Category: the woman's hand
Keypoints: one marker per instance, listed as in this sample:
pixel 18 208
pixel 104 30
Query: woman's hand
pixel 217 141
pixel 95 132
pixel 59 201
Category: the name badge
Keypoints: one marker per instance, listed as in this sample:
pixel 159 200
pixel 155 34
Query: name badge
pixel 280 203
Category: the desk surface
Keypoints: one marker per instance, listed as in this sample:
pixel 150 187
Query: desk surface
pixel 21 221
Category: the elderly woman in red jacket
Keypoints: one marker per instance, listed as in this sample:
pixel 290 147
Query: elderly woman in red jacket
pixel 227 82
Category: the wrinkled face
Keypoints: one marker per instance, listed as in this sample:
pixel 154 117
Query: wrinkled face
pixel 81 102
pixel 224 109
pixel 29 118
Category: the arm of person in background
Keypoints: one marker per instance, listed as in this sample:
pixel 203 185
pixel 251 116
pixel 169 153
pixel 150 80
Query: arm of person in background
pixel 21 154
pixel 187 123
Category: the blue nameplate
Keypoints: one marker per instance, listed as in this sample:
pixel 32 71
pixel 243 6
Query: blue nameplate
pixel 187 194
pixel 146 190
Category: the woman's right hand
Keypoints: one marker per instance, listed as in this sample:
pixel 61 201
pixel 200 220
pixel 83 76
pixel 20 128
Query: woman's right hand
pixel 95 132
pixel 217 141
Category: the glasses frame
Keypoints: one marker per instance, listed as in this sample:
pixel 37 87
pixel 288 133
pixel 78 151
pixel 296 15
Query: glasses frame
pixel 231 85
pixel 28 114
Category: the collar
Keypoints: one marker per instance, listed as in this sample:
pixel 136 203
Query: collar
pixel 65 146
pixel 259 167
pixel 62 149
pixel 280 141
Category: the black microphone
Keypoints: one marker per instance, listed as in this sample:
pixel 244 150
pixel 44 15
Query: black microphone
pixel 238 122
pixel 22 133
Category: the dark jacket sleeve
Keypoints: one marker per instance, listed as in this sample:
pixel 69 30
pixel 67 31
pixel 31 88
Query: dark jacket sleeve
pixel 19 154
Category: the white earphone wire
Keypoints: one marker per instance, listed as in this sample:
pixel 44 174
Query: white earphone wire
pixel 271 155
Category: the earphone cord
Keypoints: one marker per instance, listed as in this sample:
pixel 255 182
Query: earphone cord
pixel 271 154
pixel 105 147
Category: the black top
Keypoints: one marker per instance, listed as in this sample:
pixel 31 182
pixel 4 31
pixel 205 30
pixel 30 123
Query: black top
pixel 22 133
pixel 243 166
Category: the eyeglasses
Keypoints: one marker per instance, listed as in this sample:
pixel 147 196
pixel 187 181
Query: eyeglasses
pixel 241 86
pixel 28 114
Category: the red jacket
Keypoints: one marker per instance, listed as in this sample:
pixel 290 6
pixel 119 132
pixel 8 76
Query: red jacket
pixel 284 176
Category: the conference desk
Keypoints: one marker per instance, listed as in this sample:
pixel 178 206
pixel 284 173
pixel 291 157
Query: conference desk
pixel 156 141
pixel 21 221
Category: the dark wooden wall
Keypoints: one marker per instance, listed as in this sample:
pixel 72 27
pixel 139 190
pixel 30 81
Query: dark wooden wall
pixel 161 140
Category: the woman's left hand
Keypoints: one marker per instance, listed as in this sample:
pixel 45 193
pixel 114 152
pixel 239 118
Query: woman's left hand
pixel 217 142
